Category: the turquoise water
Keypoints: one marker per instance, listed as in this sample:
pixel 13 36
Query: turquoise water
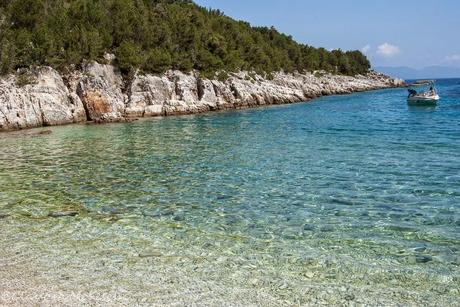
pixel 348 198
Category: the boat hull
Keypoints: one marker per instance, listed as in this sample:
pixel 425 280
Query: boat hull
pixel 423 100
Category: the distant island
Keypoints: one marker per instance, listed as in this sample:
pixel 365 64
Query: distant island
pixel 110 60
pixel 430 72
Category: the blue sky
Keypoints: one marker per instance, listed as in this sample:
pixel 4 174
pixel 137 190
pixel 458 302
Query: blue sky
pixel 392 33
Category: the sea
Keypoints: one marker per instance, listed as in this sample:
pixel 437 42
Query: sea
pixel 351 199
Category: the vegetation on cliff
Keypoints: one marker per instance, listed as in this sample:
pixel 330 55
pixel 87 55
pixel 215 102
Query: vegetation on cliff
pixel 154 36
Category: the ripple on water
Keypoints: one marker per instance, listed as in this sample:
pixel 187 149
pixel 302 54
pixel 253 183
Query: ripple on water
pixel 286 202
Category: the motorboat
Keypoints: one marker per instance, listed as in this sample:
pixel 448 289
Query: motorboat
pixel 428 97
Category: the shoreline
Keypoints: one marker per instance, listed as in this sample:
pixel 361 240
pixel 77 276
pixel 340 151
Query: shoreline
pixel 42 129
pixel 99 94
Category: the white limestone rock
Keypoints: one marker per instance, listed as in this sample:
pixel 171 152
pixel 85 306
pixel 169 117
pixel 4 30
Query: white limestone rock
pixel 101 91
pixel 46 101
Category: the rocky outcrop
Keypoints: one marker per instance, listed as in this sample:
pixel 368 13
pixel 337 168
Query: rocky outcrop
pixel 179 93
pixel 98 92
pixel 46 101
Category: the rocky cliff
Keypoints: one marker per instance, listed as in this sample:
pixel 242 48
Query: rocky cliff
pixel 98 92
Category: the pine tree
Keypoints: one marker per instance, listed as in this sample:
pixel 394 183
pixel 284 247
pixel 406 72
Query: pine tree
pixel 154 36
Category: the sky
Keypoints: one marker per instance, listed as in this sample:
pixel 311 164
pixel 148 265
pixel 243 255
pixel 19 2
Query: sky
pixel 391 33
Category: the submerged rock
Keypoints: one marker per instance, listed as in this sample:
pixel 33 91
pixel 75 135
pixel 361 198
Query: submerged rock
pixel 150 254
pixel 423 258
pixel 44 132
pixel 349 297
pixel 58 214
pixel 419 258
pixel 327 228
pixel 309 227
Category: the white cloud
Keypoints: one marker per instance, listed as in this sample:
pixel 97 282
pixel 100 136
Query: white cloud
pixel 387 50
pixel 366 49
pixel 452 58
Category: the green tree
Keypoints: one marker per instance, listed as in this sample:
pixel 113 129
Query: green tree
pixel 129 56
pixel 7 56
pixel 158 61
pixel 153 35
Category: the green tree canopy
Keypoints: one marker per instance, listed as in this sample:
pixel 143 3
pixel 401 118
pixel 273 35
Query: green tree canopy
pixel 154 36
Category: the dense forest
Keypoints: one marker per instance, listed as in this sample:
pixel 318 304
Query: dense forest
pixel 153 36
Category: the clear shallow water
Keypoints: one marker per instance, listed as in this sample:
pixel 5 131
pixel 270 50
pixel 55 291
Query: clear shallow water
pixel 349 198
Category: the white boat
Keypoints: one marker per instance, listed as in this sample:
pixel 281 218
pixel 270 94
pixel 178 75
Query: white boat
pixel 428 97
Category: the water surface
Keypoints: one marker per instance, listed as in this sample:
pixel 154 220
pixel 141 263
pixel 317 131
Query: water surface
pixel 346 199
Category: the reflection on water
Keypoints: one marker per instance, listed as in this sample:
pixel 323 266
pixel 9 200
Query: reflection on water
pixel 426 108
pixel 351 198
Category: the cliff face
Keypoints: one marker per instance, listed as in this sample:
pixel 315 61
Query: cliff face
pixel 46 102
pixel 99 93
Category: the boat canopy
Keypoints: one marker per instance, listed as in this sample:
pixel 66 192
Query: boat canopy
pixel 422 82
